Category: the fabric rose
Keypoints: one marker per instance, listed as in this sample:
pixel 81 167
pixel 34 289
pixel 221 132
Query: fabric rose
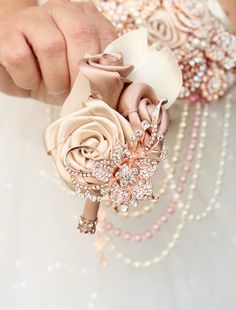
pixel 126 60
pixel 96 126
pixel 163 29
pixel 107 76
pixel 135 101
pixel 137 104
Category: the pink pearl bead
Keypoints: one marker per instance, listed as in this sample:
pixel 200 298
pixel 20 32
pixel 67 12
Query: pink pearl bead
pixel 137 238
pixel 171 210
pixel 182 178
pixel 196 124
pixel 189 157
pixel 117 232
pixel 194 135
pixel 156 227
pixel 186 168
pixel 179 189
pixel 198 112
pixel 192 146
pixel 148 234
pixel 109 226
pixel 127 236
pixel 164 218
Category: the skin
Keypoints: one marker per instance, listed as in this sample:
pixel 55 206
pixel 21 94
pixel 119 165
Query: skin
pixel 230 8
pixel 41 46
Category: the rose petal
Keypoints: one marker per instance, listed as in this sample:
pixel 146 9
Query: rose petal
pixel 59 131
pixel 132 45
pixel 162 72
pixel 77 97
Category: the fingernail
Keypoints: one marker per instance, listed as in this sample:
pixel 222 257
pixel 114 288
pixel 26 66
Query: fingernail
pixel 57 93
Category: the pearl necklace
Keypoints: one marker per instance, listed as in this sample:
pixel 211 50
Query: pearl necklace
pixel 186 216
pixel 177 148
pixel 170 209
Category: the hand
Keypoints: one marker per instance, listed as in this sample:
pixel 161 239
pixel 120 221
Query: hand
pixel 230 8
pixel 40 48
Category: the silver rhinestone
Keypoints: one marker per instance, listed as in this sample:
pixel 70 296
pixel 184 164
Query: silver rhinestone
pixel 145 124
pixel 124 208
pixel 134 203
pixel 138 133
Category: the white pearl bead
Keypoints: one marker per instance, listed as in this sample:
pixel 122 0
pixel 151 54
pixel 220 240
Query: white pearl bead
pixel 209 209
pixel 191 217
pixel 127 261
pixel 176 236
pixel 137 264
pixel 198 217
pixel 164 253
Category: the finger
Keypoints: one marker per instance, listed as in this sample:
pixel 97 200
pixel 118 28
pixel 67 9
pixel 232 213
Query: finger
pixel 81 36
pixel 42 95
pixel 19 61
pixel 106 31
pixel 8 86
pixel 49 46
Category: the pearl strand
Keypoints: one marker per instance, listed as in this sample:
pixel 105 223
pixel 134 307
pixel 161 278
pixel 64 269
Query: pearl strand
pixel 150 262
pixel 170 209
pixel 197 166
pixel 175 158
pixel 222 164
pixel 185 211
pixel 189 158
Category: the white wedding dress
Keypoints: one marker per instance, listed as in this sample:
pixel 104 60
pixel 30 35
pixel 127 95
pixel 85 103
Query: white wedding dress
pixel 46 264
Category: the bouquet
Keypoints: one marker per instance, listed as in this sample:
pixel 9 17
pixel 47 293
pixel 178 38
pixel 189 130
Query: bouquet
pixel 109 140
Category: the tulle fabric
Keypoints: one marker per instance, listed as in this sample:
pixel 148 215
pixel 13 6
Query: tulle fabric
pixel 46 264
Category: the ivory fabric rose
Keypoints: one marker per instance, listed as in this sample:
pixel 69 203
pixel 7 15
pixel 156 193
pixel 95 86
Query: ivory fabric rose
pixel 97 126
pixel 162 27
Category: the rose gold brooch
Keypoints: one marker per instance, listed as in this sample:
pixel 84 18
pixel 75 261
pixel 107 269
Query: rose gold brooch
pixel 124 178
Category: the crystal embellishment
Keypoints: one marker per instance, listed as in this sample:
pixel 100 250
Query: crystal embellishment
pixel 146 124
pixel 125 177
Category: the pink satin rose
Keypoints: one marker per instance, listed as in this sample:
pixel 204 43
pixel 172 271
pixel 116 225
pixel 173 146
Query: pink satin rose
pixel 107 75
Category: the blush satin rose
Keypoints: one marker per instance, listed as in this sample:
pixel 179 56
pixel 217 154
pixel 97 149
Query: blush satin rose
pixel 107 75
pixel 96 126
pixel 137 104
